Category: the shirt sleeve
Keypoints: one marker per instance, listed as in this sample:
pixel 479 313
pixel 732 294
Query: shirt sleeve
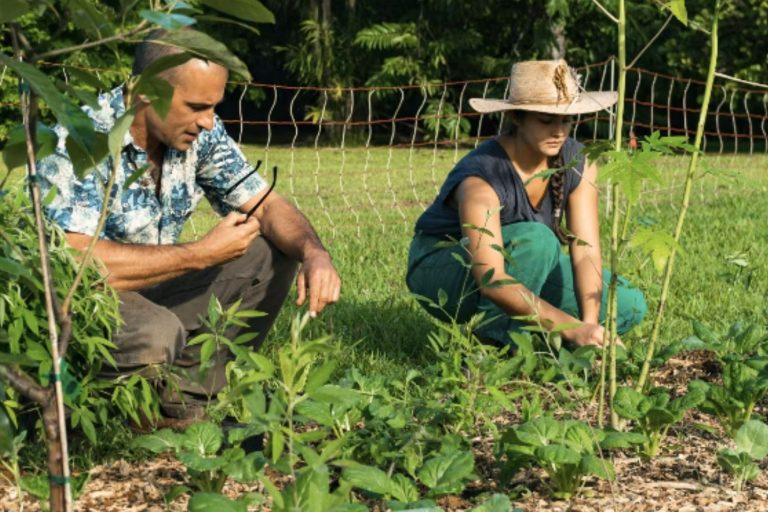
pixel 75 204
pixel 223 171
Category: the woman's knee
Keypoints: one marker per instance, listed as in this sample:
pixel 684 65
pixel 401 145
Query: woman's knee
pixel 631 308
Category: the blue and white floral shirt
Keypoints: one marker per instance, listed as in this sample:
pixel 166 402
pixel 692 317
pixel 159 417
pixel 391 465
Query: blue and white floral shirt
pixel 211 165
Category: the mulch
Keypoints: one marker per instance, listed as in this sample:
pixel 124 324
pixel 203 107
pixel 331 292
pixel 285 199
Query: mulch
pixel 685 477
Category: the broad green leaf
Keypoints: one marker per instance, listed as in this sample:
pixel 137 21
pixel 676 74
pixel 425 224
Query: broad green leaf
pixel 580 438
pixel 336 395
pixel 248 10
pixel 197 462
pixel 368 478
pixel 615 440
pixel 558 455
pixel 496 503
pixel 160 441
pixel 16 359
pixel 210 501
pixel 167 21
pixel 593 465
pixel 118 131
pixel 86 147
pixel 752 438
pixel 221 19
pixel 442 297
pixel 203 438
pixel 626 403
pixel 88 18
pixel 446 470
pixel 677 8
pixel 204 46
pixel 158 92
pixel 6 434
pixel 414 506
pixel 658 245
pixel 278 443
pixel 320 376
pixel 12 9
pixel 14 268
pixel 403 489
pixel 86 78
pixel 15 150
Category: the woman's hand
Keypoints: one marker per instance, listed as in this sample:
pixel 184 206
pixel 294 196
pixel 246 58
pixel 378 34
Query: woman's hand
pixel 587 334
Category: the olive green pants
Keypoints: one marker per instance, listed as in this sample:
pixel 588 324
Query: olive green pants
pixel 158 321
pixel 536 261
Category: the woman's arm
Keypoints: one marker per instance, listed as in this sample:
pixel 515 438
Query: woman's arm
pixel 479 205
pixel 475 199
pixel 582 216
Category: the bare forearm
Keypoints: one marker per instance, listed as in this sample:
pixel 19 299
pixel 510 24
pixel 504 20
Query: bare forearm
pixel 587 267
pixel 517 300
pixel 290 231
pixel 134 267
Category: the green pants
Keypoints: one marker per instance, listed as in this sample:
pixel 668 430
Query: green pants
pixel 537 263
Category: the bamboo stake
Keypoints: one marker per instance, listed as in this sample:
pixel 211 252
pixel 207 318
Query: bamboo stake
pixel 686 201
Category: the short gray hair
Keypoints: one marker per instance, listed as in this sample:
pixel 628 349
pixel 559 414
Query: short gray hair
pixel 149 51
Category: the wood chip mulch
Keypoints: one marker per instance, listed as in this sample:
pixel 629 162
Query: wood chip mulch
pixel 685 476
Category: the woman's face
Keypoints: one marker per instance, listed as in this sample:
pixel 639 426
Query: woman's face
pixel 544 133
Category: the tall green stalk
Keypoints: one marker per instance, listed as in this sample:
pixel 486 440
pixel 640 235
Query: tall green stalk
pixel 686 201
pixel 610 338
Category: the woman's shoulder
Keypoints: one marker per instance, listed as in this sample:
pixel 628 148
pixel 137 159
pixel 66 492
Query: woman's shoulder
pixel 487 154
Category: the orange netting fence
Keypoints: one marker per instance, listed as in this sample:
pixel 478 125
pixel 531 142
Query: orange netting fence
pixel 359 157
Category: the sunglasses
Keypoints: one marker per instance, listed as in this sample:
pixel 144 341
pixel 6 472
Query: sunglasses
pixel 269 190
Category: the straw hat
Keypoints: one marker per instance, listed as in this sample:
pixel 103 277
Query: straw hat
pixel 549 86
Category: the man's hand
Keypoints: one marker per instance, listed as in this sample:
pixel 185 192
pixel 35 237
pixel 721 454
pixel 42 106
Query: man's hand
pixel 319 277
pixel 588 334
pixel 229 239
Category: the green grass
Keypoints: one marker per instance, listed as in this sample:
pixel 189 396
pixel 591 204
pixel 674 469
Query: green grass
pixel 364 204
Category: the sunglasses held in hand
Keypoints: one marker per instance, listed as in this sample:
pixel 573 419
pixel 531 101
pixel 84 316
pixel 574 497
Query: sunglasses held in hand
pixel 269 190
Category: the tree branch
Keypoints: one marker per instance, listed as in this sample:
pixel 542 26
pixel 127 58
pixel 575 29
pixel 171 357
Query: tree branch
pixel 117 37
pixel 605 11
pixel 650 42
pixel 24 384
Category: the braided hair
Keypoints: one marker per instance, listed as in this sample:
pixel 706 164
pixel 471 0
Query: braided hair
pixel 556 185
pixel 557 189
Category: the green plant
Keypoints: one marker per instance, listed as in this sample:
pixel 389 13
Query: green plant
pixel 208 460
pixel 567 450
pixel 654 414
pixel 732 402
pixel 751 445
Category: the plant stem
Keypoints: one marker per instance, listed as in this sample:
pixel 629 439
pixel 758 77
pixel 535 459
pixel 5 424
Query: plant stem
pixel 686 201
pixel 53 413
pixel 611 314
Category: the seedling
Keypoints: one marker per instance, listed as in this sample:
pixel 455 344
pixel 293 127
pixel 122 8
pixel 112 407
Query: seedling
pixel 654 414
pixel 751 445
pixel 566 450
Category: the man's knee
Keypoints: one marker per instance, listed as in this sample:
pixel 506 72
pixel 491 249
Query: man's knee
pixel 151 333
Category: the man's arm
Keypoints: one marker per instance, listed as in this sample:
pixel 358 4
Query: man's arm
pixel 291 232
pixel 134 267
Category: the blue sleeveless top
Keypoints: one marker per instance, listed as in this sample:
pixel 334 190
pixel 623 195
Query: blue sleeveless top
pixel 490 162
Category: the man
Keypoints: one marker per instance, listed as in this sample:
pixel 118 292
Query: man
pixel 165 286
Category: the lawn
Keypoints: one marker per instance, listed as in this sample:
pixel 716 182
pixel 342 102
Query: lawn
pixel 364 203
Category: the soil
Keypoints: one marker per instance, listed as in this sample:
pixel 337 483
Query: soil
pixel 685 477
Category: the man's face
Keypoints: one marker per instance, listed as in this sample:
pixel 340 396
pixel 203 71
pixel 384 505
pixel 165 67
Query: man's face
pixel 198 88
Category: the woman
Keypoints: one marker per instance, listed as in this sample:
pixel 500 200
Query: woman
pixel 505 194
